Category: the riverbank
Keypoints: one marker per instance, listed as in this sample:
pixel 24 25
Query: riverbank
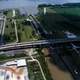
pixel 55 71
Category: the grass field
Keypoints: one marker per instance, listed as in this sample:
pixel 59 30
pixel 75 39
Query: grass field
pixel 8 13
pixel 60 19
pixel 62 10
pixel 69 10
pixel 6 57
pixel 9 34
pixel 25 32
pixel 34 71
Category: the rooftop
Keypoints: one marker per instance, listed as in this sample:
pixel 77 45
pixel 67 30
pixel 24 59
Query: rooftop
pixel 12 70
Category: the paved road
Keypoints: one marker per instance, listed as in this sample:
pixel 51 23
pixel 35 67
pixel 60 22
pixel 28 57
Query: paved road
pixel 35 44
pixel 16 32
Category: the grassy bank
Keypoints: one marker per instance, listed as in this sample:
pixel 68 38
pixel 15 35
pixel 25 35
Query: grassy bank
pixel 60 20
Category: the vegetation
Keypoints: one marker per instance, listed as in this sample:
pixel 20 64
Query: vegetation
pixel 60 19
pixel 60 5
pixel 25 31
pixel 34 71
pixel 8 13
pixel 9 34
pixel 41 58
pixel 8 56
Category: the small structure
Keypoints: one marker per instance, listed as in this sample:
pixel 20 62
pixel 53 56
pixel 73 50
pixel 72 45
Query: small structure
pixel 28 19
pixel 45 10
pixel 14 13
pixel 21 62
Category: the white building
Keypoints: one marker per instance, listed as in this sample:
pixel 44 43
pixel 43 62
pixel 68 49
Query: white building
pixel 21 62
pixel 14 13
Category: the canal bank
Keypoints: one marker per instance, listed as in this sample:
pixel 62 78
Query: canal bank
pixel 56 72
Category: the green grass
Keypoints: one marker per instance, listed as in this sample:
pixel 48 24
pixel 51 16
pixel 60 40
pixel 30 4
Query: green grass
pixel 7 57
pixel 69 10
pixel 25 32
pixel 34 71
pixel 48 10
pixel 8 13
pixel 9 34
pixel 62 10
pixel 41 58
pixel 60 19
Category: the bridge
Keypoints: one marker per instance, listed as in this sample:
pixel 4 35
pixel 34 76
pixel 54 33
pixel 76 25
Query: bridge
pixel 37 44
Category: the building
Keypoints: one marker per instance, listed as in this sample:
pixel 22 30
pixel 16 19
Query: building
pixel 14 70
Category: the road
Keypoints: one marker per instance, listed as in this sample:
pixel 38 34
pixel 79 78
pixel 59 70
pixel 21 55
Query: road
pixel 37 43
pixel 4 26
